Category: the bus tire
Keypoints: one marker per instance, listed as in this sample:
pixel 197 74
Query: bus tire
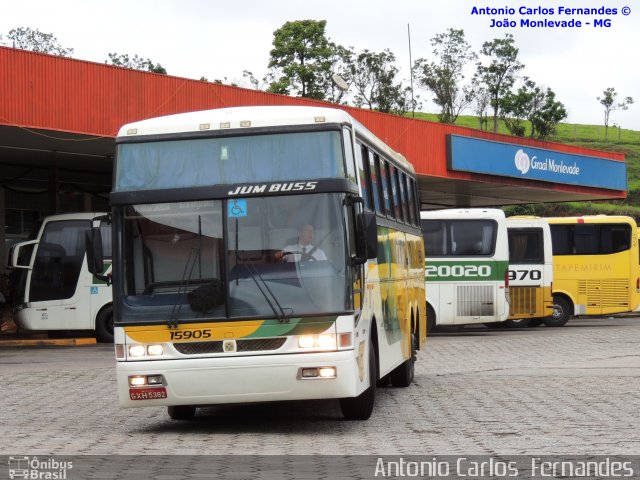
pixel 431 319
pixel 361 407
pixel 561 312
pixel 181 412
pixel 402 376
pixel 104 325
pixel 517 323
pixel 496 324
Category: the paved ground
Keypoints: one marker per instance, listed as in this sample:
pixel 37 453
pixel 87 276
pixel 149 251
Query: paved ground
pixel 567 391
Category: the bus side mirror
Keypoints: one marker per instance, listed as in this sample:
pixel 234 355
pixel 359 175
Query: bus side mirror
pixel 371 234
pixel 366 237
pixel 21 252
pixel 95 257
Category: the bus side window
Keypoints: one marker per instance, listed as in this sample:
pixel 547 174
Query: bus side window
pixel 362 155
pixel 406 211
pixel 615 238
pixel 586 239
pixel 561 239
pixel 376 181
pixel 348 155
pixel 386 189
pixel 413 201
pixel 434 234
pixel 395 192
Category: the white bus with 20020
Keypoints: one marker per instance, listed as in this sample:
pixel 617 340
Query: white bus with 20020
pixel 466 266
pixel 51 286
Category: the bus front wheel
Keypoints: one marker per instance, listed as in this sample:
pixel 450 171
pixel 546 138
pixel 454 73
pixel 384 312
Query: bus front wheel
pixel 561 312
pixel 181 412
pixel 361 407
pixel 104 325
pixel 431 319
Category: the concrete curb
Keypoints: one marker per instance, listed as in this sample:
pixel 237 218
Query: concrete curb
pixel 47 342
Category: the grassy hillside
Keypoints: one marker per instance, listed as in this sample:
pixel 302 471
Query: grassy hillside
pixel 591 136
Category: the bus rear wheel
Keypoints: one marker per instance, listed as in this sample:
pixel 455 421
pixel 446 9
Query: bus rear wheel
pixel 402 376
pixel 561 312
pixel 361 407
pixel 181 412
pixel 104 325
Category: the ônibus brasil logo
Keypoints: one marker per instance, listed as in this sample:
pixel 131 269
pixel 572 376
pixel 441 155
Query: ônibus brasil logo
pixel 522 161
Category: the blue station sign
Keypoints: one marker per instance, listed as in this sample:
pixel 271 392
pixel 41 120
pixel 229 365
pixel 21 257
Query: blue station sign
pixel 520 161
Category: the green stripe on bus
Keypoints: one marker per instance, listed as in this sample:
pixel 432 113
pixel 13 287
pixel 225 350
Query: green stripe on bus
pixel 471 270
pixel 294 326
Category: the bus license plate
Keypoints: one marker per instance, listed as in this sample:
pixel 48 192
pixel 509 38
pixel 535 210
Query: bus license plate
pixel 147 393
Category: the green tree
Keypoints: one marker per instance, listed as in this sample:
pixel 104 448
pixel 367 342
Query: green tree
pixel 608 101
pixel 135 62
pixel 501 73
pixel 481 106
pixel 545 114
pixel 514 110
pixel 444 77
pixel 534 104
pixel 373 76
pixel 300 59
pixel 36 41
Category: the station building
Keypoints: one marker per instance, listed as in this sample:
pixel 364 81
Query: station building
pixel 59 118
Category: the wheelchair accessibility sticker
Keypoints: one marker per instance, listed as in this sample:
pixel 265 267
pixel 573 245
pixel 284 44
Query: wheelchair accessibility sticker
pixel 94 290
pixel 237 208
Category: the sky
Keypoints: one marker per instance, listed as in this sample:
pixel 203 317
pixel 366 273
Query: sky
pixel 220 39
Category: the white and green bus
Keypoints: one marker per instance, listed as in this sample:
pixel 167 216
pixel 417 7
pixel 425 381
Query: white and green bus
pixel 530 270
pixel 217 298
pixel 51 286
pixel 466 266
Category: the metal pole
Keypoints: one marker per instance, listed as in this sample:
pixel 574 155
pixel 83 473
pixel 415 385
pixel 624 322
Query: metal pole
pixel 413 110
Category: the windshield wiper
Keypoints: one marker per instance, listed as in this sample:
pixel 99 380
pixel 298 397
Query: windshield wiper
pixel 173 320
pixel 280 312
pixel 253 272
pixel 196 254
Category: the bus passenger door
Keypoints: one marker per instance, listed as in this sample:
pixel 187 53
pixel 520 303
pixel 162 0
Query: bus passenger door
pixel 53 292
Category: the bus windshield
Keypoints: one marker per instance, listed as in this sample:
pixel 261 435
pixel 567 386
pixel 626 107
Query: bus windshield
pixel 475 237
pixel 273 257
pixel 228 160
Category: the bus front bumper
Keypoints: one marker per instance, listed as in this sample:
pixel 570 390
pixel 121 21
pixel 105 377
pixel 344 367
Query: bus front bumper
pixel 209 381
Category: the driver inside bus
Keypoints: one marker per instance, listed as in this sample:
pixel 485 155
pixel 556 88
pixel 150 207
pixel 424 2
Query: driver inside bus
pixel 303 250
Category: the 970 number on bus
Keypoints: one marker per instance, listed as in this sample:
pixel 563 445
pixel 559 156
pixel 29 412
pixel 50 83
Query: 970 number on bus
pixel 523 274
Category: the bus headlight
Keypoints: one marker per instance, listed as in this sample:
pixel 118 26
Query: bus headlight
pixel 136 351
pixel 324 341
pixel 154 350
pixel 306 341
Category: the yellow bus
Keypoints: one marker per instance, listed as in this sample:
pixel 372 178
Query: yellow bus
pixel 530 270
pixel 595 266
pixel 263 254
